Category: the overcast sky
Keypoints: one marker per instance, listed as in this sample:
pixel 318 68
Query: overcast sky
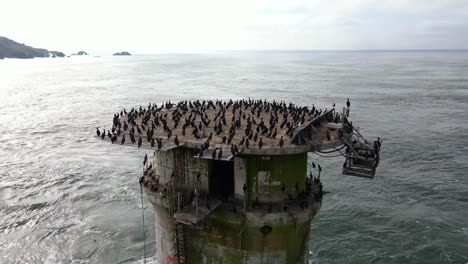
pixel 151 26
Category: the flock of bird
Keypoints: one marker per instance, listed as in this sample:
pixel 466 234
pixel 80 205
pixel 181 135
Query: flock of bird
pixel 242 123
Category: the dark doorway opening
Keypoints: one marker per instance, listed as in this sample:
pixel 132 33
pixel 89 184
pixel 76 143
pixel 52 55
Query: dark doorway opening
pixel 221 179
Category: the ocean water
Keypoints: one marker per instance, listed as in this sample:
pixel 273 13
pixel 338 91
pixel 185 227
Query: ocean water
pixel 66 197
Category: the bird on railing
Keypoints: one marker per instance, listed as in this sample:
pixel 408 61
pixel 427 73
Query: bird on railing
pixel 281 142
pixel 98 132
pixel 220 153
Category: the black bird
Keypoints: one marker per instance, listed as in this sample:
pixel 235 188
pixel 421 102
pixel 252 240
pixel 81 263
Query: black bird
pixel 247 143
pixel 98 132
pixel 313 165
pixel 103 135
pixel 176 140
pixel 220 154
pixel 224 140
pixel 159 143
pixel 122 141
pixel 152 142
pixel 348 104
pixel 213 155
pixel 114 138
pixel 281 142
pixel 319 168
pixel 260 143
pixel 244 188
pixel 242 141
pixel 145 159
pixel 139 142
pixel 169 134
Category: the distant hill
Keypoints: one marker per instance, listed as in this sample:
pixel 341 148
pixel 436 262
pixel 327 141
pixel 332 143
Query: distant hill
pixel 123 53
pixel 13 49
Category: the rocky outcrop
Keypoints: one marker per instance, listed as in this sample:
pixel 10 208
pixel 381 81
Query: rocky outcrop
pixel 123 53
pixel 13 49
pixel 57 54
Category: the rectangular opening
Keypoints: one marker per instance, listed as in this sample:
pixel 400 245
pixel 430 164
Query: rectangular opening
pixel 221 179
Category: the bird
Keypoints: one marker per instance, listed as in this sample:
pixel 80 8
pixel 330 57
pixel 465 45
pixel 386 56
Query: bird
pixel 242 141
pixel 145 159
pixel 169 134
pixel 244 188
pixel 220 153
pixel 103 135
pixel 139 142
pixel 260 143
pixel 122 141
pixel 313 165
pixel 159 143
pixel 176 140
pixel 319 168
pixel 281 142
pixel 152 142
pixel 348 104
pixel 213 155
pixel 98 132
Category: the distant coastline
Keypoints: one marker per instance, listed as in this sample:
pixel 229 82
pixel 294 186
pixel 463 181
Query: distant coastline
pixel 13 49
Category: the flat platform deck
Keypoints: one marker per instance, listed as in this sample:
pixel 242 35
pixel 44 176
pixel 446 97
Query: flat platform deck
pixel 203 119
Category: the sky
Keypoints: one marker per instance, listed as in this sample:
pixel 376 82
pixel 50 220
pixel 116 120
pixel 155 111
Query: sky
pixel 153 26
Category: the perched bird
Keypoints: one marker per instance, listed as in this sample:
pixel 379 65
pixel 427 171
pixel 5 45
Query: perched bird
pixel 103 135
pixel 152 143
pixel 122 141
pixel 244 188
pixel 242 141
pixel 281 142
pixel 145 159
pixel 260 143
pixel 98 132
pixel 220 153
pixel 159 143
pixel 139 142
pixel 348 104
pixel 213 155
pixel 176 140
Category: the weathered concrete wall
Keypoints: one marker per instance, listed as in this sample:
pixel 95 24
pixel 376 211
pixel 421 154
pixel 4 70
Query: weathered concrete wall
pixel 229 237
pixel 240 176
pixel 194 167
pixel 266 174
pixel 163 165
pixel 186 168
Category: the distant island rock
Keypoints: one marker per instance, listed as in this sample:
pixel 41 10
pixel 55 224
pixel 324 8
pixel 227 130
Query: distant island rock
pixel 57 54
pixel 123 53
pixel 13 49
pixel 81 53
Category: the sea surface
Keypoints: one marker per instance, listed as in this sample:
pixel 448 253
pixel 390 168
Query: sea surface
pixel 66 197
